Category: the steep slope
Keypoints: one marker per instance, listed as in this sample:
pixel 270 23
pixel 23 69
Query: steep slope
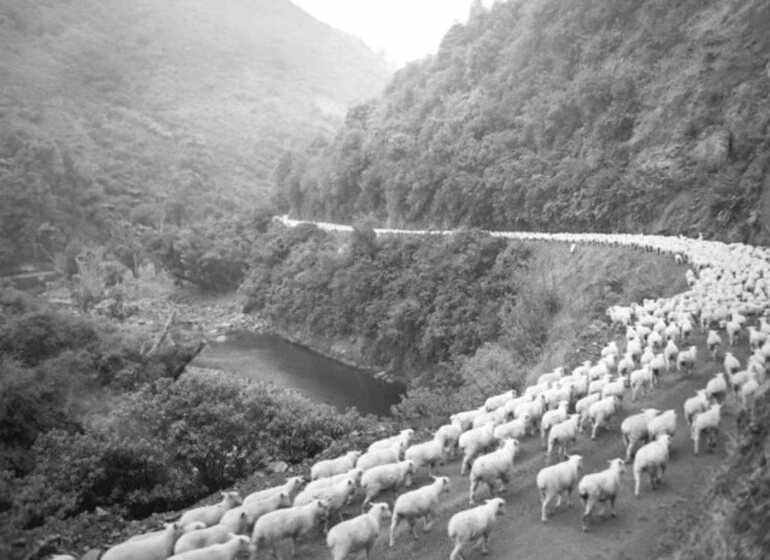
pixel 182 103
pixel 587 115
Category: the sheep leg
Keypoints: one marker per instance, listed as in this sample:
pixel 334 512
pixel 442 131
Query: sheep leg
pixel 589 502
pixel 544 510
pixel 485 543
pixel 456 551
pixel 472 489
pixel 393 524
pixel 612 505
pixel 428 523
pixel 412 526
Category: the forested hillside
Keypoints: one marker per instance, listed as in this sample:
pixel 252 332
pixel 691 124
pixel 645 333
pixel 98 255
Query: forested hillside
pixel 598 115
pixel 116 117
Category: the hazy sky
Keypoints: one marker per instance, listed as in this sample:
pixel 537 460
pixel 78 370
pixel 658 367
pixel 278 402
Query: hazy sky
pixel 405 29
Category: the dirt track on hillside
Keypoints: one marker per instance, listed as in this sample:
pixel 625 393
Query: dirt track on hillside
pixel 640 522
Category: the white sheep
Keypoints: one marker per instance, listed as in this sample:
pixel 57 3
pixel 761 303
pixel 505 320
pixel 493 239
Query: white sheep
pixel 634 429
pixel 556 395
pixel 564 433
pixel 647 355
pixel 706 423
pixel 658 365
pixel 293 523
pixel 451 434
pixel 713 342
pixel 733 330
pixel 493 467
pixel 474 442
pixel 695 405
pixel 255 509
pixel 496 401
pixel 359 533
pixel 601 412
pixel 210 515
pixel 516 428
pixel 228 550
pixel 194 526
pixel 716 388
pixel 652 459
pixel 670 352
pixel 748 391
pixel 378 457
pixel 464 418
pixel 153 547
pixel 551 377
pixel 600 488
pixel 386 477
pixel 640 380
pixel 292 485
pixel 216 534
pixel 615 388
pixel 387 443
pixel 686 359
pixel 418 504
pixel 556 480
pixel 756 337
pixel 335 496
pixel 534 408
pixel 430 453
pixel 474 524
pixel 663 423
pixel 582 406
pixel 626 364
pixel 354 474
pixel 330 467
pixel 551 418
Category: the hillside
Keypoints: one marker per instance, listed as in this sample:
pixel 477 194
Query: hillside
pixel 592 115
pixel 158 113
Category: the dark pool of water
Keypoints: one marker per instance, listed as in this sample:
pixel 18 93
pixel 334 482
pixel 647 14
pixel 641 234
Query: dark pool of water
pixel 270 358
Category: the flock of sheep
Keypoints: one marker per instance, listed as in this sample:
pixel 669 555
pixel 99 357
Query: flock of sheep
pixel 729 288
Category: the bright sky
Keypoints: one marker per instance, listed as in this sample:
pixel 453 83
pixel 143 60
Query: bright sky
pixel 405 29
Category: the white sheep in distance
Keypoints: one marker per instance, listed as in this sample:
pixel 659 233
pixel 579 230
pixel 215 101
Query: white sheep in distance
pixel 194 526
pixel 354 474
pixel 516 428
pixel 473 524
pixel 647 356
pixel 551 418
pixel 640 380
pixel 601 412
pixel 336 496
pixel 429 453
pixel 686 359
pixel 615 388
pixel 153 547
pixel 228 550
pixel 670 352
pixel 626 365
pixel 210 515
pixel 713 342
pixel 562 434
pixel 652 459
pixel 386 477
pixel 292 485
pixel 216 534
pixel 634 429
pixel 556 480
pixel 359 533
pixel 418 504
pixel 706 423
pixel 600 488
pixel 556 395
pixel 330 467
pixel 387 443
pixel 493 467
pixel 464 418
pixel 663 423
pixel 658 366
pixel 293 523
pixel 747 391
pixel 551 377
pixel 496 417
pixel 733 330
pixel 610 348
pixel 496 401
pixel 256 509
pixel 451 434
pixel 756 338
pixel 695 405
pixel 582 406
pixel 716 388
pixel 535 409
pixel 474 442
pixel 378 457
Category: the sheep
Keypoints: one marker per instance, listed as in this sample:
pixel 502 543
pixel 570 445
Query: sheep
pixel 558 479
pixel 556 395
pixel 706 422
pixel 551 377
pixel 292 485
pixel 634 429
pixel 671 333
pixel 420 503
pixel 228 550
pixel 464 418
pixel 387 443
pixel 597 385
pixel 614 388
pixel 713 341
pixel 473 524
pixel 747 391
pixel 756 338
pixel 496 401
pixel 330 467
pixel 359 533
pixel 652 459
pixel 154 547
pixel 663 423
pixel 598 371
pixel 451 434
pixel 496 417
pixel 654 341
pixel 610 348
pixel 216 534
pixel 716 388
pixel 336 496
pixel 686 328
pixel 695 405
pixel 430 453
pixel 626 365
pixel 552 417
pixel 686 359
pixel 473 443
pixel 601 487
pixel 255 510
pixel 378 457
pixel 535 409
pixel 490 468
pixel 210 515
pixel 384 477
pixel 291 523
pixel 194 526
pixel 640 380
pixel 601 412
pixel 563 433
pixel 671 353
pixel 658 365
pixel 582 406
pixel 354 474
pixel 634 348
pixel 733 330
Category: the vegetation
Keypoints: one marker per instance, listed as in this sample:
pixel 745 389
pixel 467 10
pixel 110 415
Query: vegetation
pixel 591 115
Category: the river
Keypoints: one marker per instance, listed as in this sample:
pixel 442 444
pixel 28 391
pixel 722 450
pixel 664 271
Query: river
pixel 270 358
